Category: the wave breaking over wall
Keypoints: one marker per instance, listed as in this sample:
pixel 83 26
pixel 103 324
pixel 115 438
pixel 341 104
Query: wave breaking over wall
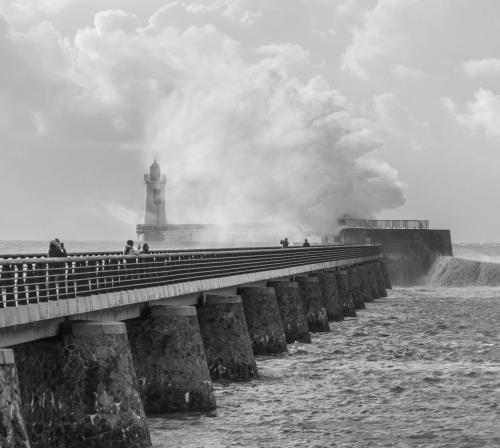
pixel 451 271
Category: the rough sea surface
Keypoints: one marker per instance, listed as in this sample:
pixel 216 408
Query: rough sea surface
pixel 420 368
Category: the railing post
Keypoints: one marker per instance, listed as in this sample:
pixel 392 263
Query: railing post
pixel 93 270
pixel 71 289
pixel 82 282
pixel 22 288
pixel 41 281
pixel 31 282
pixel 113 268
pixel 8 277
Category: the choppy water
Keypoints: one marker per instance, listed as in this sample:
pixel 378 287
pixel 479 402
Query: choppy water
pixel 420 368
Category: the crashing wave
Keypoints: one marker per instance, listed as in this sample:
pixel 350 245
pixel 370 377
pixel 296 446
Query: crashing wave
pixel 451 271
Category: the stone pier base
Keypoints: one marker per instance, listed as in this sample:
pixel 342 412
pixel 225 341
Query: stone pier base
pixel 293 319
pixel 310 293
pixel 170 361
pixel 379 275
pixel 81 391
pixel 372 280
pixel 354 284
pixel 385 273
pixel 13 432
pixel 330 295
pixel 263 320
pixel 364 284
pixel 348 307
pixel 226 340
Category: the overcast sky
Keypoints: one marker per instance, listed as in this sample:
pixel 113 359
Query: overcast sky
pixel 294 110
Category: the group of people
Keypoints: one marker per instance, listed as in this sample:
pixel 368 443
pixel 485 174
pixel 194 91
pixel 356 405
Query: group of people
pixel 129 248
pixel 57 249
pixel 285 243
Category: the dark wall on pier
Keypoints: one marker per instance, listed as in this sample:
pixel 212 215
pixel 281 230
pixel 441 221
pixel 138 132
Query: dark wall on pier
pixel 409 252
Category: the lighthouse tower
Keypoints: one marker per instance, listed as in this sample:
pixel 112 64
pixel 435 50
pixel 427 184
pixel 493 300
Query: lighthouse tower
pixel 155 218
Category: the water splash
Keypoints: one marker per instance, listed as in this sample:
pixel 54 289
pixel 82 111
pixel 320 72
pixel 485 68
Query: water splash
pixel 451 271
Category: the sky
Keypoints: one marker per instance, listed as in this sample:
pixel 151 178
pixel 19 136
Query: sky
pixel 297 111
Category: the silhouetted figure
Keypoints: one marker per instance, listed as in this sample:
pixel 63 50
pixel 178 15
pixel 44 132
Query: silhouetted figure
pixel 56 249
pixel 306 243
pixel 145 248
pixel 56 273
pixel 129 248
pixel 284 243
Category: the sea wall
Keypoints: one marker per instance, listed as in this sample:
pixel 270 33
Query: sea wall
pixel 409 253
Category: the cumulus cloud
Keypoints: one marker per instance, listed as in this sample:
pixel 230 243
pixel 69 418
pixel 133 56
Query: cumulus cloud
pixel 408 72
pixel 481 67
pixel 396 122
pixel 23 9
pixel 483 113
pixel 372 38
pixel 242 133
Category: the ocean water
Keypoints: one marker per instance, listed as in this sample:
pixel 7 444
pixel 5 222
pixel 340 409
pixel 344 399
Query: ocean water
pixel 420 368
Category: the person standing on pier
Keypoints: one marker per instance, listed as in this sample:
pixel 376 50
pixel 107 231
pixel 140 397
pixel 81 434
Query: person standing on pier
pixel 306 243
pixel 284 243
pixel 129 248
pixel 56 272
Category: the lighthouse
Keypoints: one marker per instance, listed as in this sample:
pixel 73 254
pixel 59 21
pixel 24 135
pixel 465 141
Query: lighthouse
pixel 155 217
pixel 156 229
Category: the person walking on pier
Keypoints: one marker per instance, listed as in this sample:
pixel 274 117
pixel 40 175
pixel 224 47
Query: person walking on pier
pixel 284 243
pixel 306 243
pixel 56 272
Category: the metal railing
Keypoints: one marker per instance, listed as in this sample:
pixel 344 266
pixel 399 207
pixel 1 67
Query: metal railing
pixel 119 252
pixel 385 223
pixel 34 280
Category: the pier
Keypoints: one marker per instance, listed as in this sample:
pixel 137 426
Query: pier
pixel 93 342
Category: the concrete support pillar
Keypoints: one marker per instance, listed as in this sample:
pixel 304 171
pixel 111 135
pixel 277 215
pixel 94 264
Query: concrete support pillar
pixel 380 280
pixel 170 360
pixel 359 303
pixel 385 273
pixel 81 391
pixel 372 280
pixel 293 318
pixel 348 307
pixel 310 293
pixel 263 320
pixel 224 331
pixel 366 291
pixel 13 432
pixel 330 295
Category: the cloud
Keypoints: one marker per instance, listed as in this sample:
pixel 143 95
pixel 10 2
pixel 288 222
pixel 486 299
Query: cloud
pixel 407 72
pixel 372 39
pixel 23 9
pixel 242 131
pixel 483 113
pixel 481 67
pixel 395 122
